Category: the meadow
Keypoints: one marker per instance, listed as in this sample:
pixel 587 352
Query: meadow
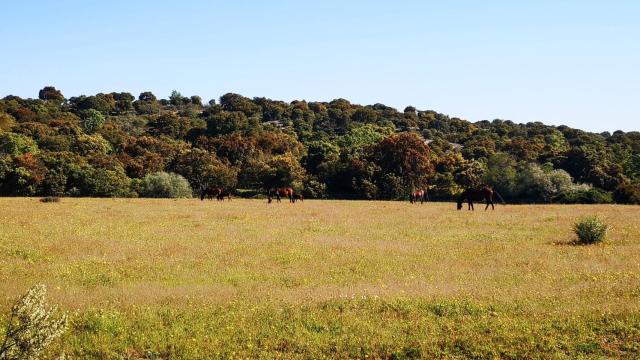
pixel 193 279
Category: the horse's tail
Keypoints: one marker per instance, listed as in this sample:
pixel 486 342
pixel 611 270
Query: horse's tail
pixel 499 197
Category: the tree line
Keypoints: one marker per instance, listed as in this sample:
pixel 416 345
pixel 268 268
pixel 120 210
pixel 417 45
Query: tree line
pixel 117 145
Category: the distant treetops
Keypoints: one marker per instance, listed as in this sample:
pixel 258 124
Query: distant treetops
pixel 116 145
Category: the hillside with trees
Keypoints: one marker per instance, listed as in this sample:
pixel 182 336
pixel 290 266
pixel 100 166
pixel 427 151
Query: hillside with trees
pixel 117 145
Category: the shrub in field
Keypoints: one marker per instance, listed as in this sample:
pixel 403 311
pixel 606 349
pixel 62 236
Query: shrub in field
pixel 48 199
pixel 590 230
pixel 165 185
pixel 32 326
pixel 582 194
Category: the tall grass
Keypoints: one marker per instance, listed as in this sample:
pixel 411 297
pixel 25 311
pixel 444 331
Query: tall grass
pixel 325 279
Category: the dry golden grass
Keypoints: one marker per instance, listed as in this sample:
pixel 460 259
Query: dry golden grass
pixel 114 254
pixel 153 251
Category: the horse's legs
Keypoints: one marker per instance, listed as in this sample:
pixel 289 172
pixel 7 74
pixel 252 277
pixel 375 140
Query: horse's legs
pixel 488 202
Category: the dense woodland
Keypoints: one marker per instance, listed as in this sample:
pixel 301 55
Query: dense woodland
pixel 116 145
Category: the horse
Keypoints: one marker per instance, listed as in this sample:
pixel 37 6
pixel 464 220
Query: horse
pixel 224 194
pixel 210 193
pixel 485 193
pixel 298 197
pixel 418 195
pixel 281 192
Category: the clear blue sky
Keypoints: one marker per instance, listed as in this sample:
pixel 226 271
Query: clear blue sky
pixel 560 62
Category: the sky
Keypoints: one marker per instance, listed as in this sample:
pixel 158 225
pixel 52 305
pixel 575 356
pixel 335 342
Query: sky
pixel 575 63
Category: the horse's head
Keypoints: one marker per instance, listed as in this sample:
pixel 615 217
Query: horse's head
pixel 460 202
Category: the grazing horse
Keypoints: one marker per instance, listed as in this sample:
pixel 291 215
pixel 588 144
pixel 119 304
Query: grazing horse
pixel 298 197
pixel 280 193
pixel 210 193
pixel 485 193
pixel 224 194
pixel 418 195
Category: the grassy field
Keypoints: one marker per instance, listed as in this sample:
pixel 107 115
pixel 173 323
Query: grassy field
pixel 325 279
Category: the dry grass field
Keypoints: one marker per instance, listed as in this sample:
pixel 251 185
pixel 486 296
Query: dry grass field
pixel 325 279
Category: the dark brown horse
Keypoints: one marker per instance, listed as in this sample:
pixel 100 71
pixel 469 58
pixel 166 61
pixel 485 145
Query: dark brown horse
pixel 210 193
pixel 224 194
pixel 472 195
pixel 418 195
pixel 297 197
pixel 280 193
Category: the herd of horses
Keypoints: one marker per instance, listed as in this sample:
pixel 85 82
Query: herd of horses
pixel 485 193
pixel 220 194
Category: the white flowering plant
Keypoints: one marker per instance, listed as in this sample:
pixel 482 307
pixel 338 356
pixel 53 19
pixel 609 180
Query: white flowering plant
pixel 32 326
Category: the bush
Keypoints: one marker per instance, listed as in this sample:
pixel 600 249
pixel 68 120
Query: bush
pixel 108 183
pixel 249 194
pixel 590 230
pixel 534 184
pixel 32 326
pixel 584 196
pixel 50 199
pixel 627 194
pixel 314 189
pixel 165 185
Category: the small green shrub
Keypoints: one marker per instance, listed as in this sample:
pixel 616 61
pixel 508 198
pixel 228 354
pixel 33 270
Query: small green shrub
pixel 590 230
pixel 165 185
pixel 48 199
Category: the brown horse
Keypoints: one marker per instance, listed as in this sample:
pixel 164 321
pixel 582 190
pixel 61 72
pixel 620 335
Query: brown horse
pixel 210 193
pixel 297 197
pixel 224 194
pixel 485 193
pixel 418 195
pixel 280 193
